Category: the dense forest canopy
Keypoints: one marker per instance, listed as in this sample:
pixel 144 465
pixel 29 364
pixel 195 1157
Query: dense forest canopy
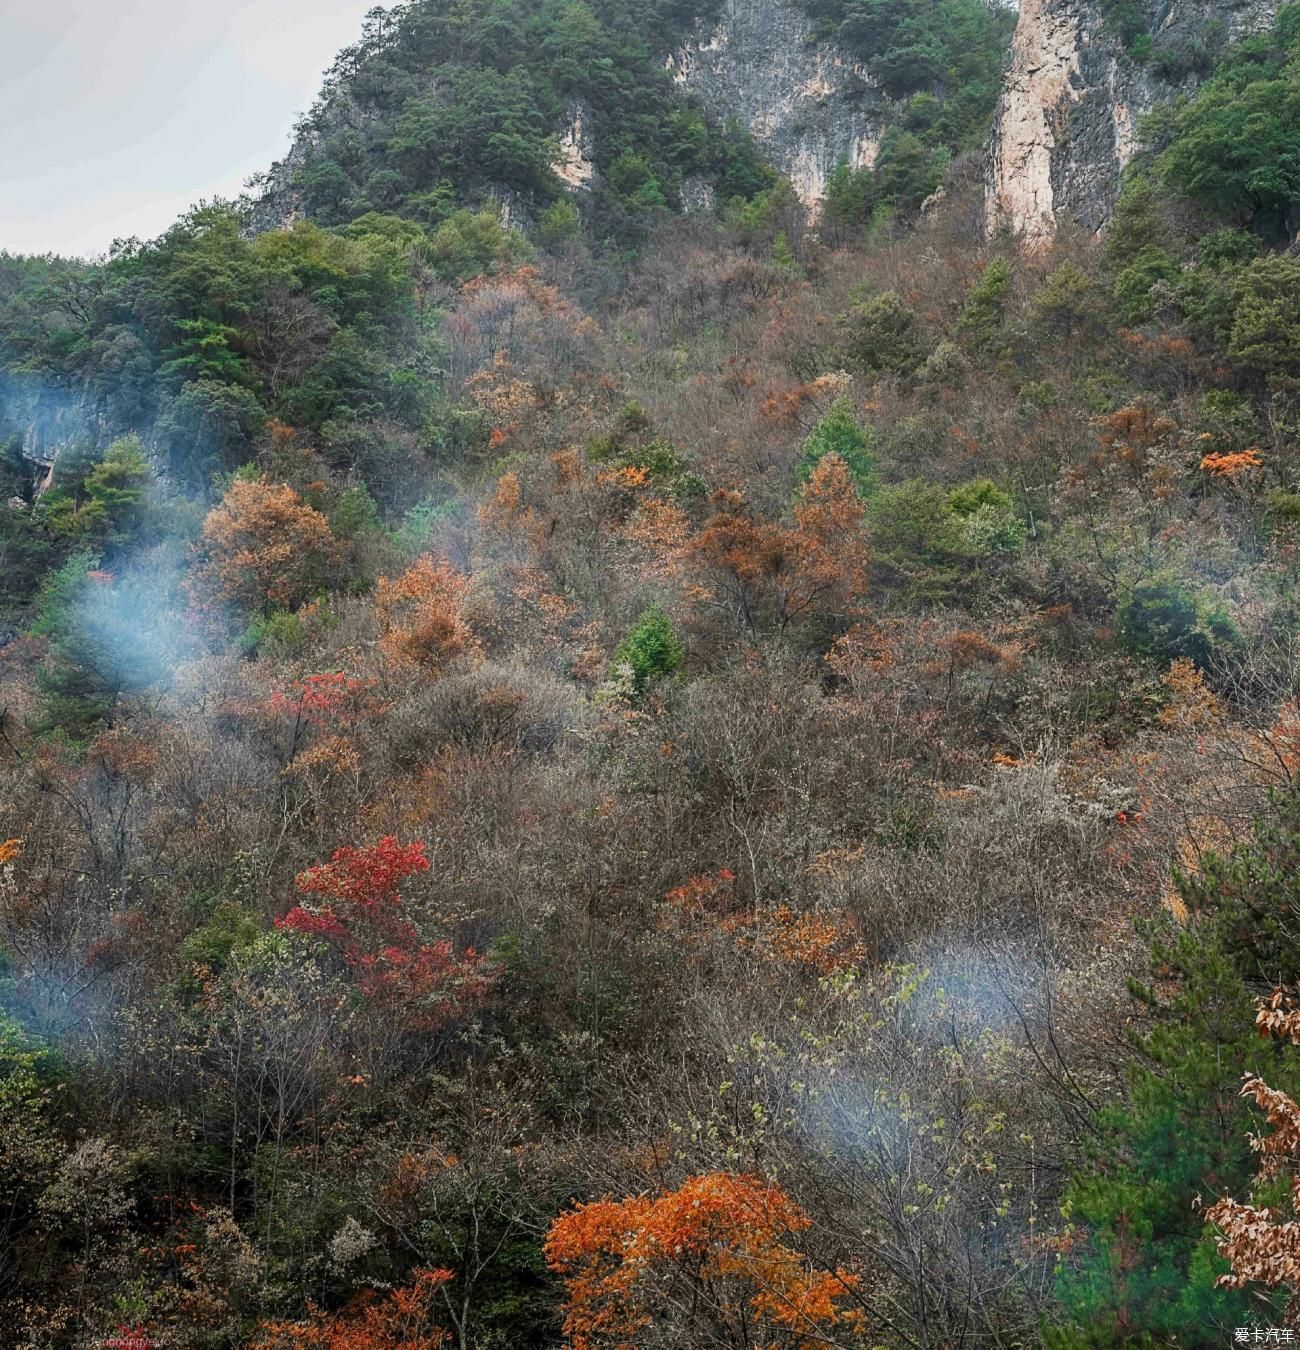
pixel 658 778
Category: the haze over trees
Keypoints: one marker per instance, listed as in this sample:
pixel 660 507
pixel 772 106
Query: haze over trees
pixel 656 778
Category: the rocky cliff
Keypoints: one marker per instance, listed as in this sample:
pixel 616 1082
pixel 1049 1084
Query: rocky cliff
pixel 1066 123
pixel 807 104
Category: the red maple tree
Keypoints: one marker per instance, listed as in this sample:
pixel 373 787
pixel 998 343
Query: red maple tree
pixel 361 913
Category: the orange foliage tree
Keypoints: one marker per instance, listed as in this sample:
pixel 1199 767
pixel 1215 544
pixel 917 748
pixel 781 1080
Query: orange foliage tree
pixel 402 1321
pixel 758 567
pixel 1260 1243
pixel 824 942
pixel 263 546
pixel 1231 464
pixel 831 555
pixel 705 1264
pixel 422 614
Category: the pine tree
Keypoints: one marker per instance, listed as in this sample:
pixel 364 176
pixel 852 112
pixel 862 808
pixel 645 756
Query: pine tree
pixel 1146 1271
pixel 838 433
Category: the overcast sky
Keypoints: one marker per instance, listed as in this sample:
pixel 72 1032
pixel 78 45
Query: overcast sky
pixel 117 115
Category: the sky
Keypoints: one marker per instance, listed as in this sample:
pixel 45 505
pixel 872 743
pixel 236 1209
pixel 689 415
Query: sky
pixel 117 115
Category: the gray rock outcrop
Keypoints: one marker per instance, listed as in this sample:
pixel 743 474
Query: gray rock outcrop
pixel 1066 124
pixel 808 105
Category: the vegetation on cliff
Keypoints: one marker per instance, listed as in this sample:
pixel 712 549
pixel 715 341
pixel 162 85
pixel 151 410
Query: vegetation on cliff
pixel 700 784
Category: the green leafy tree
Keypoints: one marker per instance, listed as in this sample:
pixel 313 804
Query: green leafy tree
pixel 558 224
pixel 1236 145
pixel 1265 332
pixel 117 488
pixel 849 201
pixel 210 426
pixel 205 350
pixel 652 650
pixel 1067 301
pixel 108 505
pixel 26 550
pixel 107 638
pixel 906 170
pixel 1138 223
pixel 883 335
pixel 1134 284
pixel 471 243
pixel 947 50
pixel 1162 618
pixel 988 520
pixel 984 312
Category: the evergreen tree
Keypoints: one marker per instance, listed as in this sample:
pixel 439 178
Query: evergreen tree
pixel 838 433
pixel 1145 1273
pixel 107 637
pixel 652 650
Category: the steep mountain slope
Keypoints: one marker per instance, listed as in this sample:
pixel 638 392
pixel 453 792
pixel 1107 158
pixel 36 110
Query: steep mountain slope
pixel 440 104
pixel 671 104
pixel 614 782
pixel 1082 73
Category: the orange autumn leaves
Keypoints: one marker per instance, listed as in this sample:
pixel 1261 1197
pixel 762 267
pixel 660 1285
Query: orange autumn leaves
pixel 401 1320
pixel 712 1258
pixel 1232 464
pixel 263 546
pixel 1262 1244
pixel 760 570
pixel 711 1253
pixel 751 571
pixel 816 942
pixel 422 617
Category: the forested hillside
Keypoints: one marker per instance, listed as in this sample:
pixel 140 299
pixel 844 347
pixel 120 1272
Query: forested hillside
pixel 657 778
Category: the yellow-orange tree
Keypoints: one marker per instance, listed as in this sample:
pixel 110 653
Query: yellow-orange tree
pixel 705 1264
pixel 763 572
pixel 423 618
pixel 263 546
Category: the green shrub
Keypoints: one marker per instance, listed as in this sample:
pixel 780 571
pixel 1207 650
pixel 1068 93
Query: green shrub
pixel 883 335
pixel 1162 618
pixel 559 223
pixel 981 318
pixel 1134 283
pixel 1144 1271
pixel 652 650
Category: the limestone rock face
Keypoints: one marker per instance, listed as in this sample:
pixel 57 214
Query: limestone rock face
pixel 1066 123
pixel 575 168
pixel 53 420
pixel 808 105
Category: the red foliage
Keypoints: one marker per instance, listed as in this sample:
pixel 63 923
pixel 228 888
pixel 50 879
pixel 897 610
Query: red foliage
pixel 402 1321
pixel 129 1338
pixel 321 700
pixel 704 892
pixel 364 918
